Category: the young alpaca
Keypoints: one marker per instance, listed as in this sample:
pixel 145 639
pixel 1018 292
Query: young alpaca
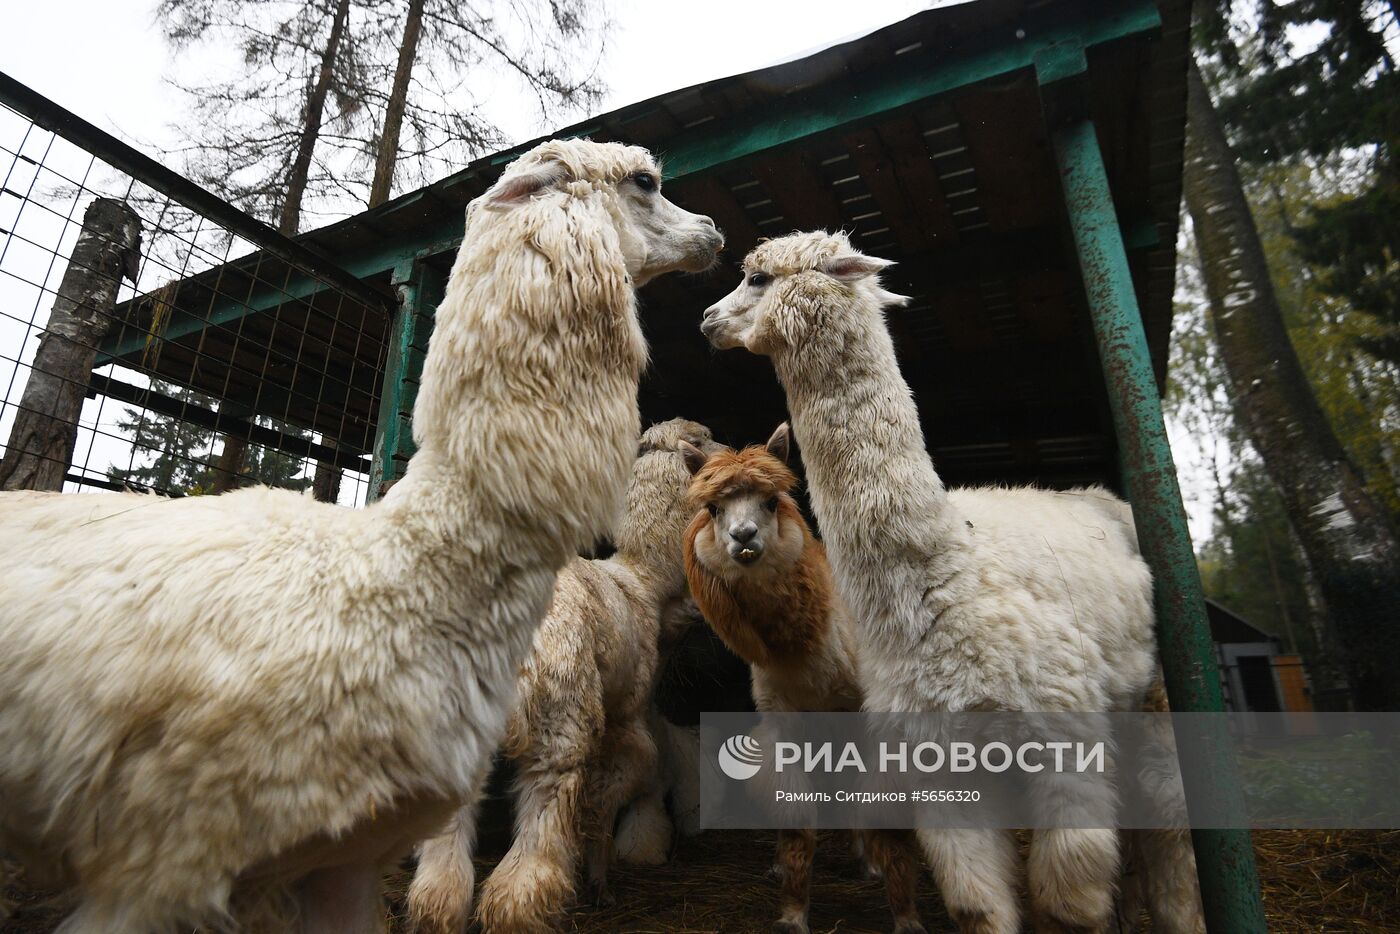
pixel 1001 599
pixel 259 693
pixel 762 581
pixel 579 736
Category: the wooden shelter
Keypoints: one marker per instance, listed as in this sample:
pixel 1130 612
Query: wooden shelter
pixel 926 140
pixel 1020 159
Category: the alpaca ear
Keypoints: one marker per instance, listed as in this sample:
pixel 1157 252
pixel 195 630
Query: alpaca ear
pixel 694 457
pixel 852 267
pixel 778 444
pixel 513 189
pixel 890 299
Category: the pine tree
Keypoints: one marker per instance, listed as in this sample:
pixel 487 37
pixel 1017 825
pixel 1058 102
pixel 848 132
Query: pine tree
pixel 308 128
pixel 180 448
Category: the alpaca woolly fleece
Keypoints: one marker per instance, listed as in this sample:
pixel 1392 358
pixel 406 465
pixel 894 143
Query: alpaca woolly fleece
pixel 780 613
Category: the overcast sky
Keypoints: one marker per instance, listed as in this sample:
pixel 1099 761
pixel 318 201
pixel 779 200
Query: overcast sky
pixel 107 62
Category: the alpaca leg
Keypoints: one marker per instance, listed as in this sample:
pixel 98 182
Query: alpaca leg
pixel 440 897
pixel 976 874
pixel 127 912
pixel 1164 860
pixel 1167 864
pixel 893 857
pixel 795 851
pixel 868 869
pixel 1074 861
pixel 1072 873
pixel 1132 884
pixel 533 884
pixel 627 763
pixel 644 834
pixel 343 900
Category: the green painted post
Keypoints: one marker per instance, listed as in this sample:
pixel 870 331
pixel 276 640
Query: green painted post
pixel 1224 858
pixel 419 288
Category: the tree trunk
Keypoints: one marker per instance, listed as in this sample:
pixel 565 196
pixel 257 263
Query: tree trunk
pixel 311 124
pixel 229 465
pixel 46 426
pixel 1352 551
pixel 398 101
pixel 326 484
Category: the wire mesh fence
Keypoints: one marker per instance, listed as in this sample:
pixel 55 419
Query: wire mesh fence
pixel 153 338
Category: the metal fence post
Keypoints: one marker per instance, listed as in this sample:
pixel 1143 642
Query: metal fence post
pixel 419 288
pixel 1224 858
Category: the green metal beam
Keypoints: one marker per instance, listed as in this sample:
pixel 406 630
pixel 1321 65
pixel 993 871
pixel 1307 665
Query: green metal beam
pixel 225 310
pixel 1224 858
pixel 828 108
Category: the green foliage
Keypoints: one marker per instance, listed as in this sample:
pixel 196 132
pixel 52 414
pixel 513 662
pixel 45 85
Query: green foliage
pixel 1251 562
pixel 171 455
pixel 1354 244
pixel 1349 778
pixel 272 468
pixel 1252 565
pixel 181 449
pixel 1359 394
pixel 1285 99
pixel 249 111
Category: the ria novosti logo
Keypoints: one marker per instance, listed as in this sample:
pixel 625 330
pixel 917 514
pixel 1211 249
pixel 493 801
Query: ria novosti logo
pixel 740 757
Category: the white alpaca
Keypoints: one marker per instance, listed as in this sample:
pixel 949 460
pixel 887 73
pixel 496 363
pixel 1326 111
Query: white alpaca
pixel 214 696
pixel 578 737
pixel 1016 599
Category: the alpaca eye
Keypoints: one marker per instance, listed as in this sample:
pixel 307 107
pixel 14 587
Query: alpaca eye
pixel 772 504
pixel 712 509
pixel 759 279
pixel 645 181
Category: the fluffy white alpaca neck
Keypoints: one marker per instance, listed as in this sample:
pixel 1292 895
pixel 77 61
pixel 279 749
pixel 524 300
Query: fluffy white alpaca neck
pixel 526 422
pixel 526 417
pixel 869 474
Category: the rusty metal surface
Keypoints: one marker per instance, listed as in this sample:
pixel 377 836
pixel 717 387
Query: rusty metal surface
pixel 1224 858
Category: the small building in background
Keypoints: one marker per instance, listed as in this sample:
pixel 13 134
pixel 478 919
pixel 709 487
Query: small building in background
pixel 1255 674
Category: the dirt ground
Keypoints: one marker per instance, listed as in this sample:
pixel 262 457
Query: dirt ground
pixel 1317 882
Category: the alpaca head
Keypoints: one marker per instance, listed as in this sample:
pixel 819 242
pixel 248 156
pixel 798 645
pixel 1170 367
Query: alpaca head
pixel 795 290
pixel 654 235
pixel 657 504
pixel 748 522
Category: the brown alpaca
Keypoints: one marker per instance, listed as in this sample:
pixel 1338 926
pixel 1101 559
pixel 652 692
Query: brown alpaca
pixel 762 581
